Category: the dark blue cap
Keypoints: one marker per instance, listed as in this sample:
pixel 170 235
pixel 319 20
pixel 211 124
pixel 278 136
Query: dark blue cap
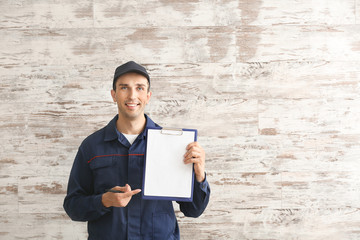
pixel 130 67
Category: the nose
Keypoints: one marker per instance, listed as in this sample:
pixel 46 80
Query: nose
pixel 132 93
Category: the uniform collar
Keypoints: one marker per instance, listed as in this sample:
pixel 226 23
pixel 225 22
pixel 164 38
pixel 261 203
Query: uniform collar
pixel 110 129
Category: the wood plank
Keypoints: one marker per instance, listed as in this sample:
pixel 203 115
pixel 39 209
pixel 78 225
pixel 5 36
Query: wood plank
pixel 222 13
pixel 297 12
pixel 312 190
pixel 27 14
pixel 268 224
pixel 100 14
pixel 8 191
pixel 298 43
pixel 166 13
pixel 79 46
pixel 306 116
pixel 251 43
pixel 191 114
pixel 48 226
pixel 43 194
pixel 90 83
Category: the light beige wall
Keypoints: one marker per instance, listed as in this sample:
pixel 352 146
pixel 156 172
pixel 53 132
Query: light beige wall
pixel 272 86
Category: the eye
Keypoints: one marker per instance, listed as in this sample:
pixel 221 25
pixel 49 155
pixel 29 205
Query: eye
pixel 140 88
pixel 123 88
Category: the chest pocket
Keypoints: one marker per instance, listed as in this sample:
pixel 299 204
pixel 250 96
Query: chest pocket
pixel 103 173
pixel 101 162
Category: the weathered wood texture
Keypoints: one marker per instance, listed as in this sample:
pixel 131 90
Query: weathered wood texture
pixel 272 86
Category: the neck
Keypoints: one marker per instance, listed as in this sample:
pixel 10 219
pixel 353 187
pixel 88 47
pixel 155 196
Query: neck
pixel 133 126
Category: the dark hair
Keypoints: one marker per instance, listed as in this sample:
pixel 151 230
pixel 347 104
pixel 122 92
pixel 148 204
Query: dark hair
pixel 115 81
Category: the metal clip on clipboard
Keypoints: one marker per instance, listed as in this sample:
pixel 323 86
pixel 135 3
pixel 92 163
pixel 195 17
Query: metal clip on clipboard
pixel 172 131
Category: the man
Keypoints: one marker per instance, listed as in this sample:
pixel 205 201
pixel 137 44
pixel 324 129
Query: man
pixel 113 158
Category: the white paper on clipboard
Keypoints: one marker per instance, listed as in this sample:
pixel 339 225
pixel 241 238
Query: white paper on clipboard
pixel 165 174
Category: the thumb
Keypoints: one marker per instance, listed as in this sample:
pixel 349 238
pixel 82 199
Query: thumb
pixel 118 188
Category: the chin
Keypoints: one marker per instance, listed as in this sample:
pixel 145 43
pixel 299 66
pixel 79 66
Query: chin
pixel 133 116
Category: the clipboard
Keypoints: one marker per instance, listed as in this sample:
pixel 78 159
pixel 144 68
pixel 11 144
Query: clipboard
pixel 166 177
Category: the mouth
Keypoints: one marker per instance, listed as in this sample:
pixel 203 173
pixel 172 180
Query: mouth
pixel 132 105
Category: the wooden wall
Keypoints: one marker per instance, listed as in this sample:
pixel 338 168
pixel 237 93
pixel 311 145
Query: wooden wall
pixel 273 87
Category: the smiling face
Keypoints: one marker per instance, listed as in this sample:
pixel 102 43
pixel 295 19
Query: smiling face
pixel 131 95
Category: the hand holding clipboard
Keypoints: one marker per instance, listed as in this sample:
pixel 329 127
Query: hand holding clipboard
pixel 195 154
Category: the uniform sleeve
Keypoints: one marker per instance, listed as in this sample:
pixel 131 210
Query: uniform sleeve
pixel 80 203
pixel 201 198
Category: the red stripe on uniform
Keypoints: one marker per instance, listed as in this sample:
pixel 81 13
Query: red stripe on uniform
pixel 120 155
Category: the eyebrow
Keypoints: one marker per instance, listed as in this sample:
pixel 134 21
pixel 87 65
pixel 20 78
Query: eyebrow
pixel 138 84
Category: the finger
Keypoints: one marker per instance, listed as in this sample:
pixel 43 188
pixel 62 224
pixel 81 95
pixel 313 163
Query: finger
pixel 193 160
pixel 193 144
pixel 191 157
pixel 131 193
pixel 193 152
pixel 188 152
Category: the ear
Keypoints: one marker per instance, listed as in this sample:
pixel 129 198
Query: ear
pixel 113 95
pixel 148 97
